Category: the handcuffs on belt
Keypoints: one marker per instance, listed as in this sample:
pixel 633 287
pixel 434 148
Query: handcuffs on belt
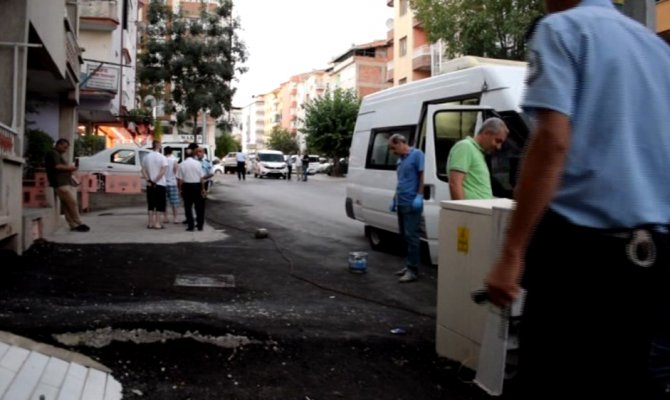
pixel 641 249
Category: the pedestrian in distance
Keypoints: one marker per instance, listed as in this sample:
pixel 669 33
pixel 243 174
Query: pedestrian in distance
pixel 408 202
pixel 59 174
pixel 207 167
pixel 154 168
pixel 289 167
pixel 589 237
pixel 305 166
pixel 469 176
pixel 171 185
pixel 241 165
pixel 191 183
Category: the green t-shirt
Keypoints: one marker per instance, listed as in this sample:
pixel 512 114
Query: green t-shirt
pixel 56 178
pixel 468 157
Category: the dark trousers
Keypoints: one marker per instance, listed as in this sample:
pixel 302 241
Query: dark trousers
pixel 290 168
pixel 590 314
pixel 241 170
pixel 305 166
pixel 409 224
pixel 193 199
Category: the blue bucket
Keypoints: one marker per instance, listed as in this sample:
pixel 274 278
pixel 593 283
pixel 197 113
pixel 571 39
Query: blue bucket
pixel 358 262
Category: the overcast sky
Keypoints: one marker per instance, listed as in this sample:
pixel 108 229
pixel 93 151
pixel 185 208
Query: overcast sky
pixel 286 38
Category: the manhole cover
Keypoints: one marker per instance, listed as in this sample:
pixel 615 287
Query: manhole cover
pixel 205 280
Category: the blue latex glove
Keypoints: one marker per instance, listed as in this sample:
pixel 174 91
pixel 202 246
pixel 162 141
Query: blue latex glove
pixel 417 203
pixel 393 206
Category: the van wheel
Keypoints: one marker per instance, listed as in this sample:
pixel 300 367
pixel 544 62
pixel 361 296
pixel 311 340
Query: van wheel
pixel 378 238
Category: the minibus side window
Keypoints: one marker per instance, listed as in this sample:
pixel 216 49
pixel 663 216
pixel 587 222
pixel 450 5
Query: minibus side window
pixel 379 156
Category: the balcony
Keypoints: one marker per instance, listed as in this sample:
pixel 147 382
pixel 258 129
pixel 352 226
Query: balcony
pixel 421 58
pixel 389 71
pixel 99 15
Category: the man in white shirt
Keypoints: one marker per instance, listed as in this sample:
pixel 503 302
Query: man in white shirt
pixel 241 165
pixel 191 183
pixel 154 167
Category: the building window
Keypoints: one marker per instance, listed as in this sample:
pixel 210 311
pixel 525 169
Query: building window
pixel 404 6
pixel 402 44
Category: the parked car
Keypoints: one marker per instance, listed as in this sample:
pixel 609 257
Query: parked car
pixel 125 159
pixel 270 163
pixel 230 163
pixel 344 167
pixel 217 167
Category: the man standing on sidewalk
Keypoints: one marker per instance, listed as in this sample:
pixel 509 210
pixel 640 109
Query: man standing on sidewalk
pixel 191 182
pixel 59 173
pixel 154 168
pixel 408 202
pixel 590 232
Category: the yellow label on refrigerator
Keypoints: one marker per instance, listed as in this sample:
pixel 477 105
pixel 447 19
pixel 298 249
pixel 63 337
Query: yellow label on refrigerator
pixel 463 241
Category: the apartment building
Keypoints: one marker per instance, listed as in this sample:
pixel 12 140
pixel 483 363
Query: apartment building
pixel 108 37
pixel 271 114
pixel 313 85
pixel 362 68
pixel 38 44
pixel 253 125
pixel 410 59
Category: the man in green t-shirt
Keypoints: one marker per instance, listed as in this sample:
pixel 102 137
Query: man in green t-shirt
pixel 469 176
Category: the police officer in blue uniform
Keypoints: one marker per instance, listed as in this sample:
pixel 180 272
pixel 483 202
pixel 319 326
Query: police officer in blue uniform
pixel 589 234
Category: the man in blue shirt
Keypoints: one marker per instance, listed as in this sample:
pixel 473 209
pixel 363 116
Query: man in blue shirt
pixel 408 202
pixel 590 228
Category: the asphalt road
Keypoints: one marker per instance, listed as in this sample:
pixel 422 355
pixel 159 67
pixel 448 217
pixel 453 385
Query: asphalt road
pixel 290 322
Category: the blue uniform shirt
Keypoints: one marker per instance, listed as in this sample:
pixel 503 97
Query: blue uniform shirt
pixel 409 168
pixel 609 75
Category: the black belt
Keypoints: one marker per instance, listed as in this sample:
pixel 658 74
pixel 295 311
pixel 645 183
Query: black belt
pixel 645 243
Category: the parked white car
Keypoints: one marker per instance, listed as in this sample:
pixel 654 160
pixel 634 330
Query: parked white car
pixel 124 159
pixel 270 163
pixel 230 163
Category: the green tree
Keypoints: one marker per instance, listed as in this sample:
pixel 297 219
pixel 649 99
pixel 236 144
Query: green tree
pixel 197 58
pixel 38 145
pixel 226 144
pixel 88 145
pixel 485 28
pixel 329 124
pixel 282 140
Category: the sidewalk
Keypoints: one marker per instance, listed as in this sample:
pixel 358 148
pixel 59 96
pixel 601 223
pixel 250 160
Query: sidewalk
pixel 129 225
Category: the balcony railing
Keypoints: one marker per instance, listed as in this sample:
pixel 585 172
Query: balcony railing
pixel 99 15
pixel 421 58
pixel 72 54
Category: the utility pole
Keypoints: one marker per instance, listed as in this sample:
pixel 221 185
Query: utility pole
pixel 643 11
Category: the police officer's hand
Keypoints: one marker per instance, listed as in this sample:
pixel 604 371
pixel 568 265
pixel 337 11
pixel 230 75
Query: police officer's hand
pixel 502 283
pixel 417 203
pixel 393 207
